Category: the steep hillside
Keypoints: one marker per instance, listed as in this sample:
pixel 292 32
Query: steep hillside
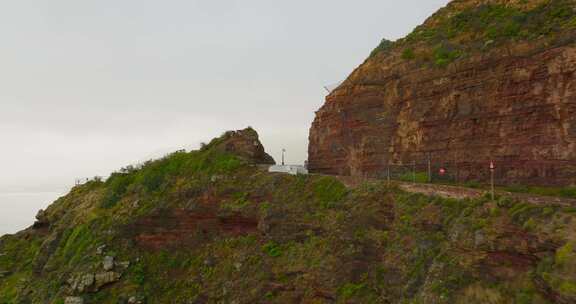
pixel 478 81
pixel 211 226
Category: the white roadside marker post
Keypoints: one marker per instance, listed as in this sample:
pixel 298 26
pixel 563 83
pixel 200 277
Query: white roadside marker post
pixel 492 167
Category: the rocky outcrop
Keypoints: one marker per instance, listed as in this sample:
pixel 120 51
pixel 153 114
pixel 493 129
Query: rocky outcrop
pixel 244 143
pixel 74 300
pixel 92 282
pixel 513 103
pixel 108 263
pixel 41 220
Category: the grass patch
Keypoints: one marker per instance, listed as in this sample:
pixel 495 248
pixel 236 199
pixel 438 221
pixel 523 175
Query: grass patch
pixel 565 192
pixel 565 253
pixel 419 177
pixel 76 241
pixel 153 176
pixel 329 191
pixel 349 290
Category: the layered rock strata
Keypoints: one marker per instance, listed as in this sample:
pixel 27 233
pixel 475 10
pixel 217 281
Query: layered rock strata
pixel 514 104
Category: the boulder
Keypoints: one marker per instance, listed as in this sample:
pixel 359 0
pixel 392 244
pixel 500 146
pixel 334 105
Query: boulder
pixel 135 300
pixel 4 274
pixel 74 300
pixel 108 263
pixel 105 278
pixel 82 282
pixel 41 220
pixel 100 249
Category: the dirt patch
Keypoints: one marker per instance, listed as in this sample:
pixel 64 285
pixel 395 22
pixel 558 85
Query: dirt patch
pixel 456 192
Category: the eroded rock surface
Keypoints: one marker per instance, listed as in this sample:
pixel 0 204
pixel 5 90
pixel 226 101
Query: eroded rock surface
pixel 514 104
pixel 246 144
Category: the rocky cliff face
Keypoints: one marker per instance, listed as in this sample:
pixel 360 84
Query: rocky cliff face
pixel 478 81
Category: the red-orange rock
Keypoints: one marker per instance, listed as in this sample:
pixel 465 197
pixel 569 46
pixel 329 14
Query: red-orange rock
pixel 244 143
pixel 515 104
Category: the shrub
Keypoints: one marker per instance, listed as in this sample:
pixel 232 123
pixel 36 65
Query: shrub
pixel 569 209
pixel 517 189
pixel 444 55
pixel 565 253
pixel 384 45
pixel 473 184
pixel 568 287
pixel 272 249
pixel 569 192
pixel 408 54
pixel 524 296
pixel 138 275
pixel 350 289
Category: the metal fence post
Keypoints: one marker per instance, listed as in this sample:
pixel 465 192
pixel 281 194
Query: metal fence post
pixel 414 172
pixel 492 167
pixel 429 168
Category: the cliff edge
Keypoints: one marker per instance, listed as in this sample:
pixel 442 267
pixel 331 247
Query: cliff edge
pixel 479 81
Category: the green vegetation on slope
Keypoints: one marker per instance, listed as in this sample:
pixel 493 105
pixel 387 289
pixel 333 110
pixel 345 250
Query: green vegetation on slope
pixel 566 192
pixel 454 34
pixel 154 175
pixel 206 227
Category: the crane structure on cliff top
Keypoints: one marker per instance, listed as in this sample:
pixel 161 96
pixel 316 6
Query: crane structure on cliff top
pixel 331 87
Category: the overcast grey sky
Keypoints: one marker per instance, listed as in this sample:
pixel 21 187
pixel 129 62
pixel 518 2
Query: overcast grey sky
pixel 87 87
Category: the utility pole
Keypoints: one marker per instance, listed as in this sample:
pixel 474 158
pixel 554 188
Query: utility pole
pixel 492 167
pixel 283 151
